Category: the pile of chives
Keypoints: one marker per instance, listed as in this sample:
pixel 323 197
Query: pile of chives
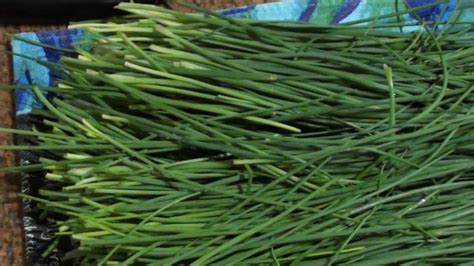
pixel 179 139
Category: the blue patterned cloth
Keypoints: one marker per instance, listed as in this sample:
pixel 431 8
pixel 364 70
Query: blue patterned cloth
pixel 341 11
pixel 28 72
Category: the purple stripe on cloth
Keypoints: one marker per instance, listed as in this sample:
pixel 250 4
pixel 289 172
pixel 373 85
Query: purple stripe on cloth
pixel 425 12
pixel 236 11
pixel 348 7
pixel 309 11
pixel 438 12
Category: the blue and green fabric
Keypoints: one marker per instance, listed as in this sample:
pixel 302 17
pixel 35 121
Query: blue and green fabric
pixel 341 11
pixel 29 72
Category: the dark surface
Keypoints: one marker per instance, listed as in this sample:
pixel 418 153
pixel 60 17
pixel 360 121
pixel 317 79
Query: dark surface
pixel 58 2
pixel 39 231
pixel 18 17
pixel 43 14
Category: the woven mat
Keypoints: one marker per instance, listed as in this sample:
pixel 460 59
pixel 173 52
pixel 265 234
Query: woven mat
pixel 11 234
pixel 217 4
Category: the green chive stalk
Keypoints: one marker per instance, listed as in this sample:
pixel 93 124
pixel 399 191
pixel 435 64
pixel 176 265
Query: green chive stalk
pixel 196 139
